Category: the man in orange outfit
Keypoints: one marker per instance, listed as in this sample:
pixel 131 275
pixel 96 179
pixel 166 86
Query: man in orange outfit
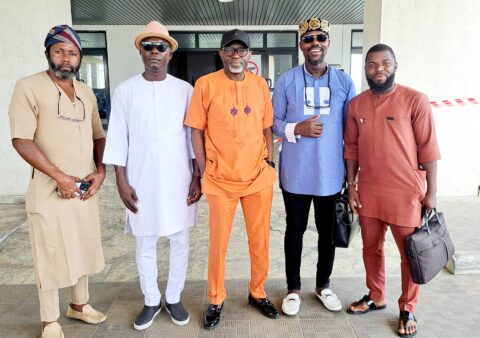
pixel 390 136
pixel 231 117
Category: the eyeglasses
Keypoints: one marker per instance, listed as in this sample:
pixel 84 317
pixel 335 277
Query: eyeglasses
pixel 307 101
pixel 230 51
pixel 318 37
pixel 148 46
pixel 67 118
pixel 63 117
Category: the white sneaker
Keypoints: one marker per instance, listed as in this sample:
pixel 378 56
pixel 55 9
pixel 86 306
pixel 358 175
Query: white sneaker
pixel 329 300
pixel 291 304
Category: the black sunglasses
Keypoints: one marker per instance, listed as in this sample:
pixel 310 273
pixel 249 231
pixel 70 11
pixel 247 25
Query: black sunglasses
pixel 148 46
pixel 318 37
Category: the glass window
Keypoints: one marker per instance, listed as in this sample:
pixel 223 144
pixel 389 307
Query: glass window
pixel 185 40
pixel 209 40
pixel 356 71
pixel 356 59
pixel 277 65
pixel 256 40
pixel 357 39
pixel 93 73
pixel 281 39
pixel 93 39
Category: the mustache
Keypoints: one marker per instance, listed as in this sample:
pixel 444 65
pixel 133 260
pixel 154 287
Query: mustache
pixel 63 74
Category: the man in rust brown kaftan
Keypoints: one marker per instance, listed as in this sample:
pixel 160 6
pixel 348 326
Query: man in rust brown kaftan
pixel 390 136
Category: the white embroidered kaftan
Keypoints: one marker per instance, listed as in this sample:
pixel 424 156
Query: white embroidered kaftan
pixel 146 134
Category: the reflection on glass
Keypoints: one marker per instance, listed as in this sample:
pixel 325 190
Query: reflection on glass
pixel 185 40
pixel 278 64
pixel 92 73
pixel 209 40
pixel 281 39
pixel 356 68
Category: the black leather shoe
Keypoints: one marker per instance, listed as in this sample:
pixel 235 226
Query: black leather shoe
pixel 212 317
pixel 265 306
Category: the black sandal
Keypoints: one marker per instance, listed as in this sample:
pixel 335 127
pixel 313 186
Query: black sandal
pixel 406 316
pixel 371 306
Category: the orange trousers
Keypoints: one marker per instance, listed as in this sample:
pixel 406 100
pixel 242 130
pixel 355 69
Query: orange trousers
pixel 256 211
pixel 373 235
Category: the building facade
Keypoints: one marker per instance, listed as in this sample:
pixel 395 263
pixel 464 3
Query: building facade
pixel 435 43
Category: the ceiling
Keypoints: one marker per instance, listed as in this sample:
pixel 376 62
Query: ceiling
pixel 214 13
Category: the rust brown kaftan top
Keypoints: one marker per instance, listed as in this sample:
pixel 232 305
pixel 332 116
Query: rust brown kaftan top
pixel 390 135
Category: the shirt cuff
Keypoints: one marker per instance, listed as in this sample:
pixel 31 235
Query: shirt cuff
pixel 290 132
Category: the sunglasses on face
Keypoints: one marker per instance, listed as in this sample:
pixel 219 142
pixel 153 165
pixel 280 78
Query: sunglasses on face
pixel 148 46
pixel 318 37
pixel 229 51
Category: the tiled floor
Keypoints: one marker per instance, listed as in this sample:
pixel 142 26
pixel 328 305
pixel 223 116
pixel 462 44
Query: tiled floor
pixel 448 306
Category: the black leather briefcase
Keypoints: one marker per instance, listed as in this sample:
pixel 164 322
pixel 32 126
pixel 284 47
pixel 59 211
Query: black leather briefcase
pixel 429 248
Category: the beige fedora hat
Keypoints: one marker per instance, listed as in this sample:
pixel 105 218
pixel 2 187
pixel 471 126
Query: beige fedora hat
pixel 157 30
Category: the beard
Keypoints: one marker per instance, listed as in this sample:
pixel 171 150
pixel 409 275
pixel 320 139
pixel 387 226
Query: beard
pixel 381 87
pixel 316 62
pixel 62 74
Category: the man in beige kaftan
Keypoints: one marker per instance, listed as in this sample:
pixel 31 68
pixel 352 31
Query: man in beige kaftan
pixel 56 128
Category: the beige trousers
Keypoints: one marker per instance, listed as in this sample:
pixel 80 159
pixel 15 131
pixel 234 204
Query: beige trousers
pixel 50 304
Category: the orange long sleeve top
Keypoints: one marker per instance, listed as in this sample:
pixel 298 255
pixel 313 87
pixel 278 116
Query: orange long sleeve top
pixel 233 115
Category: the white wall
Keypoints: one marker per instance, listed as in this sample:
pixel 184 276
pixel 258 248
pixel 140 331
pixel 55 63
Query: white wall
pixel 437 49
pixel 459 141
pixel 23 26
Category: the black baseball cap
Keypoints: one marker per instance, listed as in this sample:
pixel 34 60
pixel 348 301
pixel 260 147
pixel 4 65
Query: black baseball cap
pixel 235 35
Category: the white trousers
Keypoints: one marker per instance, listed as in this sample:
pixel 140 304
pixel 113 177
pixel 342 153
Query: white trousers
pixel 146 257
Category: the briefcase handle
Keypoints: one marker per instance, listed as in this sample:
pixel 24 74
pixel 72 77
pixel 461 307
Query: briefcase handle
pixel 426 217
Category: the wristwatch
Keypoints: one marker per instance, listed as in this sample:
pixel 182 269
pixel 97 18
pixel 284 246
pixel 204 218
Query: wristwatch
pixel 271 164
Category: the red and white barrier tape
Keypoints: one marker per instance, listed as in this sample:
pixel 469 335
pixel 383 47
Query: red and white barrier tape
pixel 454 102
pixel 439 104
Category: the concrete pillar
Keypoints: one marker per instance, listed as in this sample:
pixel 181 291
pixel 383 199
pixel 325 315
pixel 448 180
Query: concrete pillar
pixel 23 28
pixel 437 49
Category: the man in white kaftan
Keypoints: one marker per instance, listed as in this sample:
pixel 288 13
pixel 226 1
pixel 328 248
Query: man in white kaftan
pixel 157 176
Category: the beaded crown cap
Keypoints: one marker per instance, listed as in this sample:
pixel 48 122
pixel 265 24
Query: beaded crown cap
pixel 313 24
